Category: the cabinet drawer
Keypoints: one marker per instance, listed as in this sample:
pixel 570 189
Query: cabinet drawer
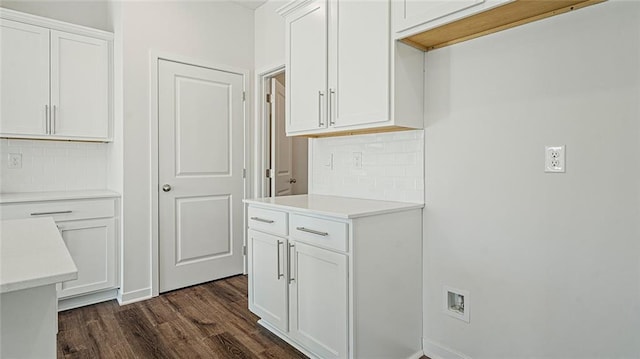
pixel 267 220
pixel 319 232
pixel 60 210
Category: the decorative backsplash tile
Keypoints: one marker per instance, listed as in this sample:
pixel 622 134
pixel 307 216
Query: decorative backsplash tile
pixel 392 166
pixel 53 166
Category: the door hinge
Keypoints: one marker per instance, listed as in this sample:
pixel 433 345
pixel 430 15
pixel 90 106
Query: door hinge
pixel 244 96
pixel 268 98
pixel 244 173
pixel 244 250
pixel 267 173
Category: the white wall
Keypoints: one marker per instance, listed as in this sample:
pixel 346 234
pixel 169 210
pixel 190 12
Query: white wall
pixel 551 260
pixel 217 32
pixel 269 36
pixel 392 166
pixel 53 166
pixel 91 13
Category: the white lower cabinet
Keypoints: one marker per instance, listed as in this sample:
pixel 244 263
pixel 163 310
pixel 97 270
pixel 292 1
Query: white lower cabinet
pixel 319 300
pixel 92 245
pixel 269 284
pixel 89 227
pixel 337 287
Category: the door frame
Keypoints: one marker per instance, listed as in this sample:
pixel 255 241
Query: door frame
pixel 154 187
pixel 262 140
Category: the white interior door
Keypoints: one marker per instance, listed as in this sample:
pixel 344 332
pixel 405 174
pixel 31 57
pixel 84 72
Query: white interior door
pixel 201 145
pixel 281 145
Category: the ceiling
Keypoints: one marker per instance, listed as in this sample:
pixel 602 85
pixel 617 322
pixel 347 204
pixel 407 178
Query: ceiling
pixel 250 4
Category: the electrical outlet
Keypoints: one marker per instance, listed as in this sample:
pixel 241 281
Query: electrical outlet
pixel 357 159
pixel 457 303
pixel 15 161
pixel 330 162
pixel 554 159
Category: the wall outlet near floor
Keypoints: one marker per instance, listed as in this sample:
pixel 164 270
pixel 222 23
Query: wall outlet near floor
pixel 554 159
pixel 456 303
pixel 15 161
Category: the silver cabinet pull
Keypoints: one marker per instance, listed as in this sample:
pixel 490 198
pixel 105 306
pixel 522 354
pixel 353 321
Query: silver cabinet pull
pixel 320 97
pixel 53 127
pixel 332 93
pixel 278 260
pixel 262 220
pixel 291 278
pixel 324 234
pixel 45 213
pixel 46 119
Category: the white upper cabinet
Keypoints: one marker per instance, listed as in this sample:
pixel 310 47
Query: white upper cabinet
pixel 24 78
pixel 79 86
pixel 413 16
pixel 56 80
pixel 343 70
pixel 307 68
pixel 359 63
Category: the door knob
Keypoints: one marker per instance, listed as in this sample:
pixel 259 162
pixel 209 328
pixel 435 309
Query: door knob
pixel 292 180
pixel 166 188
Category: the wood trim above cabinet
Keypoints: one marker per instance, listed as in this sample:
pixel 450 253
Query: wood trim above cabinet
pixel 500 18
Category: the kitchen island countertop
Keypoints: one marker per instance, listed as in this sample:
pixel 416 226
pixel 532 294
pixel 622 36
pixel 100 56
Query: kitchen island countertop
pixel 33 254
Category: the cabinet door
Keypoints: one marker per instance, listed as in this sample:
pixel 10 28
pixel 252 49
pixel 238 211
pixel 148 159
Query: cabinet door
pixel 319 300
pixel 24 79
pixel 411 13
pixel 359 62
pixel 79 86
pixel 306 82
pixel 92 245
pixel 268 278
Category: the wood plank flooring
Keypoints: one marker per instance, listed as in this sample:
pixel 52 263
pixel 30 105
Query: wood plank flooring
pixel 210 320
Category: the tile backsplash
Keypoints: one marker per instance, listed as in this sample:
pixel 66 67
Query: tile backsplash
pixel 391 167
pixel 53 166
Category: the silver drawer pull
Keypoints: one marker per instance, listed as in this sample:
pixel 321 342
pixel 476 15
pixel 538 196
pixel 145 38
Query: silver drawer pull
pixel 262 220
pixel 45 213
pixel 324 234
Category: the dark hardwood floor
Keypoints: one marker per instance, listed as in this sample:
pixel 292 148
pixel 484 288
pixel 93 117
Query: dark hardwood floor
pixel 210 320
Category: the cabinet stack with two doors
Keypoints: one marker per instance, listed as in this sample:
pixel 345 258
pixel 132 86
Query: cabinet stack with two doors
pixel 88 223
pixel 345 73
pixel 337 285
pixel 55 79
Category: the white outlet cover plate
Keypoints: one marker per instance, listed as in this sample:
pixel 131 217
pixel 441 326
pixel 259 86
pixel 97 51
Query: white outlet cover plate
pixel 554 159
pixel 15 161
pixel 465 317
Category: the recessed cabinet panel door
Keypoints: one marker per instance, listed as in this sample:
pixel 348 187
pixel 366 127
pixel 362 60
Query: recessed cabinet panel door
pixel 319 300
pixel 79 86
pixel 201 146
pixel 267 278
pixel 307 68
pixel 24 78
pixel 359 43
pixel 92 246
pixel 412 13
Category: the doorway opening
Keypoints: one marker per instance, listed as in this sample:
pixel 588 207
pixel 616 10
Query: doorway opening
pixel 285 159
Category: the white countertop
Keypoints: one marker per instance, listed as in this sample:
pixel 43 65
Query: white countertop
pixel 33 254
pixel 17 197
pixel 342 207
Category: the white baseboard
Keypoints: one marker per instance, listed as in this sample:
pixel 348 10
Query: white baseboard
pixel 438 351
pixel 417 355
pixel 88 299
pixel 134 296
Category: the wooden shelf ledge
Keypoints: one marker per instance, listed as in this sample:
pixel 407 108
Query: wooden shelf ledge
pixel 503 17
